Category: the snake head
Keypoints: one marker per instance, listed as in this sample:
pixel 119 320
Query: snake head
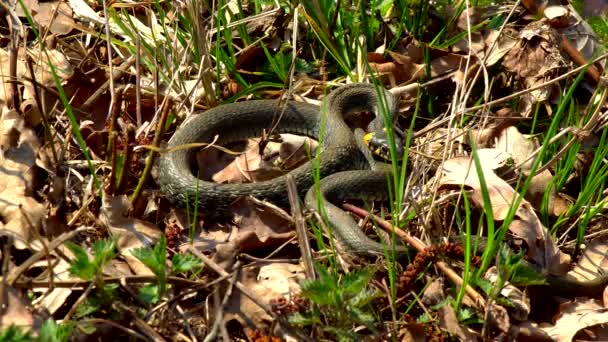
pixel 378 142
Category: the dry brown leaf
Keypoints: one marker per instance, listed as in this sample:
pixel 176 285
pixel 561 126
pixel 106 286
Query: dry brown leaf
pixel 130 233
pixel 520 148
pixel 520 303
pixel 18 311
pixel 20 212
pixel 526 225
pixel 413 332
pixel 258 226
pixel 434 293
pixel 535 59
pixel 55 298
pixel 581 314
pixel 277 159
pixel 54 15
pixel 272 281
pixel 593 262
pixel 448 321
pixel 504 43
pixel 5 89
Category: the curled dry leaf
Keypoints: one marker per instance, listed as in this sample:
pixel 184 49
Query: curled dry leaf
pixel 578 315
pixel 54 15
pixel 272 281
pixel 520 147
pixel 42 73
pixel 525 225
pixel 17 311
pixel 520 303
pixel 497 46
pixel 593 262
pixel 259 226
pixel 535 59
pixel 448 321
pixel 55 298
pixel 20 212
pixel 277 159
pixel 130 233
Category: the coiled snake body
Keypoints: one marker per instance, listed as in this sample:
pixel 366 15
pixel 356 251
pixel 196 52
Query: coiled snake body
pixel 345 167
pixel 341 152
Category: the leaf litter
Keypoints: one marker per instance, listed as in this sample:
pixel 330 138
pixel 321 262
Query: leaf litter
pixel 47 185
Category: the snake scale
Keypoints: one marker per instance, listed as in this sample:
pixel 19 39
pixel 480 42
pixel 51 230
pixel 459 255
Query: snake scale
pixel 345 169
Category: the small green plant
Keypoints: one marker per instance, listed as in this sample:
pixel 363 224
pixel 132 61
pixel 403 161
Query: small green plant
pixel 340 303
pixel 155 259
pixel 50 331
pixel 91 270
pixel 85 268
pixel 14 333
pixel 53 332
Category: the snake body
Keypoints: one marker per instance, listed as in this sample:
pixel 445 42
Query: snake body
pixel 243 120
pixel 345 168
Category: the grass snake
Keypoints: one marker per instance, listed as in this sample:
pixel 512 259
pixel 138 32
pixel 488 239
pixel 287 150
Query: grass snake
pixel 341 152
pixel 345 167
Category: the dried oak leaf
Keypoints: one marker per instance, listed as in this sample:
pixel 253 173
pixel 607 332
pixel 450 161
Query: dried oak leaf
pixel 257 225
pixel 582 316
pixel 18 311
pixel 131 233
pixel 56 15
pixel 20 212
pixel 272 281
pixel 520 147
pixel 535 59
pixel 448 321
pixel 276 159
pixel 525 225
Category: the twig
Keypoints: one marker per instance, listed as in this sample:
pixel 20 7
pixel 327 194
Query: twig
pixel 420 247
pixel 17 271
pixel 160 131
pixel 531 89
pixel 136 279
pixel 113 324
pixel 296 212
pixel 238 284
pixel 115 73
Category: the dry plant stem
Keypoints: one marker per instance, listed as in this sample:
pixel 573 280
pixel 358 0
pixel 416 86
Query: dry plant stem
pixel 15 102
pixel 112 146
pixel 138 80
pixel 17 271
pixel 219 317
pixel 115 73
pixel 115 325
pixel 45 121
pixel 110 48
pixel 146 328
pixel 578 58
pixel 420 247
pixel 531 89
pixel 3 287
pixel 238 284
pixel 589 127
pixel 136 279
pixel 160 131
pixel 414 86
pixel 128 153
pixel 300 224
pixel 81 299
pixel 180 311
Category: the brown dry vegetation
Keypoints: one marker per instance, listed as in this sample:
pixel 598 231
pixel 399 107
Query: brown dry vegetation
pixel 500 101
